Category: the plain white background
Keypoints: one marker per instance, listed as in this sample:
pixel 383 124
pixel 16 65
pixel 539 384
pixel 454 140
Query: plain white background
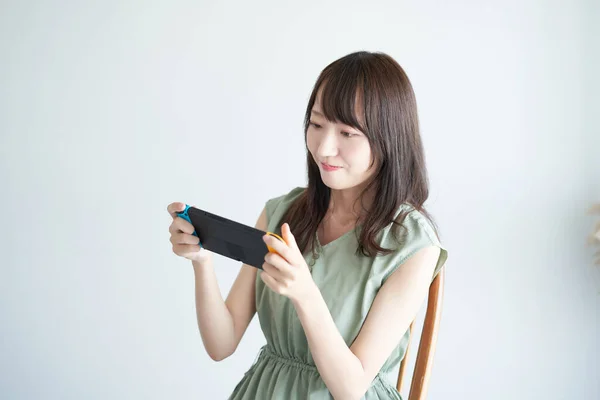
pixel 109 111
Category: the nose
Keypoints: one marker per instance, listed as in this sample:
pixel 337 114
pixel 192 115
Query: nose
pixel 327 145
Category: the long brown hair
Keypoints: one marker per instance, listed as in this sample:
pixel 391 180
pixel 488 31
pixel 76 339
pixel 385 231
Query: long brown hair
pixel 383 91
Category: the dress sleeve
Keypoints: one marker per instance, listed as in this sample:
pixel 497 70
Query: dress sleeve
pixel 276 207
pixel 417 234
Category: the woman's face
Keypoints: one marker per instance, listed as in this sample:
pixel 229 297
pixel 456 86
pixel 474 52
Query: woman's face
pixel 338 145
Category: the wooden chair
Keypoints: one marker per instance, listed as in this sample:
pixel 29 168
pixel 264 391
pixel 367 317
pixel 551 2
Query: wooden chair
pixel 426 351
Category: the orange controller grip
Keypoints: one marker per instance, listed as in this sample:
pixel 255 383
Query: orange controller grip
pixel 271 250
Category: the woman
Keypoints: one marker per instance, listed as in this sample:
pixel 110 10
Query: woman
pixel 336 300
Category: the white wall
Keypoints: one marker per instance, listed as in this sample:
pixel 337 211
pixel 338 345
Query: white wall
pixel 592 129
pixel 593 95
pixel 109 111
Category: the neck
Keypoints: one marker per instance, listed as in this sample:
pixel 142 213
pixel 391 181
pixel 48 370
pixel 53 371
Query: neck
pixel 344 204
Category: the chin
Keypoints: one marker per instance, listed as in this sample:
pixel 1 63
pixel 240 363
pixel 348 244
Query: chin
pixel 339 183
pixel 335 184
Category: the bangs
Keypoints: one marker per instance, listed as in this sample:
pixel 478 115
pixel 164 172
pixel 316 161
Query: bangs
pixel 342 95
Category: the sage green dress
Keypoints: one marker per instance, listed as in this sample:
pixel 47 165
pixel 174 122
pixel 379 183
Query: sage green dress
pixel 284 368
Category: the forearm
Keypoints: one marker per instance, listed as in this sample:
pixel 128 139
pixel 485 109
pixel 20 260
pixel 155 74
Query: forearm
pixel 214 319
pixel 339 368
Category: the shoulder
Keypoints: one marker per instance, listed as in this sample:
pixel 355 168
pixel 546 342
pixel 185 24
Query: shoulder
pixel 276 206
pixel 417 232
pixel 287 196
pixel 416 223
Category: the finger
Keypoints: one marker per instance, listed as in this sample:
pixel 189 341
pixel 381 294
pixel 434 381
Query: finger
pixel 173 208
pixel 282 269
pixel 186 248
pixel 269 281
pixel 180 224
pixel 184 238
pixel 273 272
pixel 280 247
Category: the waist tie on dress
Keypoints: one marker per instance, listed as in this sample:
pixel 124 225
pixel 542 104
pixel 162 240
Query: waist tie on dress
pixel 267 352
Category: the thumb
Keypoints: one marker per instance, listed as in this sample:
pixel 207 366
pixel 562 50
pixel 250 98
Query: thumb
pixel 288 236
pixel 175 207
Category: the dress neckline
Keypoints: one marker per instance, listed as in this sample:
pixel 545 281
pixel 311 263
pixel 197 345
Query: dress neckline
pixel 337 240
pixel 320 249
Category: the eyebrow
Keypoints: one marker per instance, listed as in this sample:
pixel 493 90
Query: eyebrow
pixel 317 112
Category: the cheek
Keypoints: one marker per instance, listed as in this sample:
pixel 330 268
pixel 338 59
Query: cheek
pixel 310 141
pixel 360 155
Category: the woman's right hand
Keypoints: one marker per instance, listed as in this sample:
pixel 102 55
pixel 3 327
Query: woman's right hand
pixel 185 244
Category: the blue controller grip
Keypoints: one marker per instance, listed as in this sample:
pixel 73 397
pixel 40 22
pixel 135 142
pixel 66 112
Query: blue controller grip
pixel 184 214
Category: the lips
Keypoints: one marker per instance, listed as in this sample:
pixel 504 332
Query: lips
pixel 328 167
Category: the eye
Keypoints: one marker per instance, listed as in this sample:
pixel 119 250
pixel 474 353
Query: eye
pixel 315 125
pixel 347 134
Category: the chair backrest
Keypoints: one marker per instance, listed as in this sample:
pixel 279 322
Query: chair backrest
pixel 426 351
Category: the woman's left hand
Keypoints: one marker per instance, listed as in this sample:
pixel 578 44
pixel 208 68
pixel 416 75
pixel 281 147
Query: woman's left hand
pixel 286 272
